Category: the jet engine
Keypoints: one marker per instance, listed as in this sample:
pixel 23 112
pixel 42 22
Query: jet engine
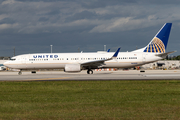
pixel 72 68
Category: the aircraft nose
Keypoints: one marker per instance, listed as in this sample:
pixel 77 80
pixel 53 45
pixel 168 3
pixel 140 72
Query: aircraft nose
pixel 6 63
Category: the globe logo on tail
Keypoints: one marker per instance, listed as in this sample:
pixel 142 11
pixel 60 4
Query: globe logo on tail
pixel 155 46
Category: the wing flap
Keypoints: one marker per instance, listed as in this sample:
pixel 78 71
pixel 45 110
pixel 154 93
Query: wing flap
pixel 100 62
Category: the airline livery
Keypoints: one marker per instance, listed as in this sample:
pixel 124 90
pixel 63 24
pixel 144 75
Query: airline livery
pixel 75 62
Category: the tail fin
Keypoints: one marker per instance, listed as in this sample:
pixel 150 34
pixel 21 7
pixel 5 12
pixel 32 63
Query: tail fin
pixel 159 43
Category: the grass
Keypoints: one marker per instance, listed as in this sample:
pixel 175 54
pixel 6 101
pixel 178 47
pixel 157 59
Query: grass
pixel 90 100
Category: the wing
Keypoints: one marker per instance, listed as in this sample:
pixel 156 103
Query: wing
pixel 96 63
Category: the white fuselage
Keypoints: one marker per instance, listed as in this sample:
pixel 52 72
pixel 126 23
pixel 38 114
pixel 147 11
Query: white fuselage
pixel 59 60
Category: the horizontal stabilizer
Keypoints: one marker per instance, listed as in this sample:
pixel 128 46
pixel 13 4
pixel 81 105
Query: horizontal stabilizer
pixel 164 54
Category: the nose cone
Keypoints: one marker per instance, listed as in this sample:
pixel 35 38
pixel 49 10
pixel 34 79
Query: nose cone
pixel 6 63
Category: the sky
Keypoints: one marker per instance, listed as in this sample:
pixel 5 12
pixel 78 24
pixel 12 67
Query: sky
pixel 31 26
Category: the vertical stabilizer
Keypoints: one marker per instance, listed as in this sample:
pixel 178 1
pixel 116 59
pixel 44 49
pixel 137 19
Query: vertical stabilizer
pixel 159 43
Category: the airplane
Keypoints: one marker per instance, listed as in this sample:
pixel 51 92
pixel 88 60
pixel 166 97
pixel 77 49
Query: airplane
pixel 76 62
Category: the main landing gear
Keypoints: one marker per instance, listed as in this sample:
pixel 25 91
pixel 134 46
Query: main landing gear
pixel 89 72
pixel 20 72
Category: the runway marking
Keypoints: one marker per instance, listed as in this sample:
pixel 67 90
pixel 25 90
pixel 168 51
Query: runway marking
pixel 48 79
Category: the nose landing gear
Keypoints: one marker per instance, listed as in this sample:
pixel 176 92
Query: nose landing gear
pixel 20 72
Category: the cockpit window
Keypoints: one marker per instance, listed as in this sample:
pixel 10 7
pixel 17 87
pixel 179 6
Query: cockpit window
pixel 13 59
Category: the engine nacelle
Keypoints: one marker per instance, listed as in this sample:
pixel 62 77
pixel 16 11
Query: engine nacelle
pixel 72 68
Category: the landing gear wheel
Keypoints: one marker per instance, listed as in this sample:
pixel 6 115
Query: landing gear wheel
pixel 142 70
pixel 20 73
pixel 33 72
pixel 89 72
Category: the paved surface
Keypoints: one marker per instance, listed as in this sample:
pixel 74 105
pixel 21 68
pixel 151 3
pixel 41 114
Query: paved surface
pixel 98 75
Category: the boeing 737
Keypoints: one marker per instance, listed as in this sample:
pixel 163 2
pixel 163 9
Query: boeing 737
pixel 76 62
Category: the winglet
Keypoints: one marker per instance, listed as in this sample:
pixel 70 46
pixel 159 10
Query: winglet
pixel 108 50
pixel 116 53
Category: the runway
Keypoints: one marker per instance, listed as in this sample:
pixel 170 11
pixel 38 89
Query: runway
pixel 98 75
